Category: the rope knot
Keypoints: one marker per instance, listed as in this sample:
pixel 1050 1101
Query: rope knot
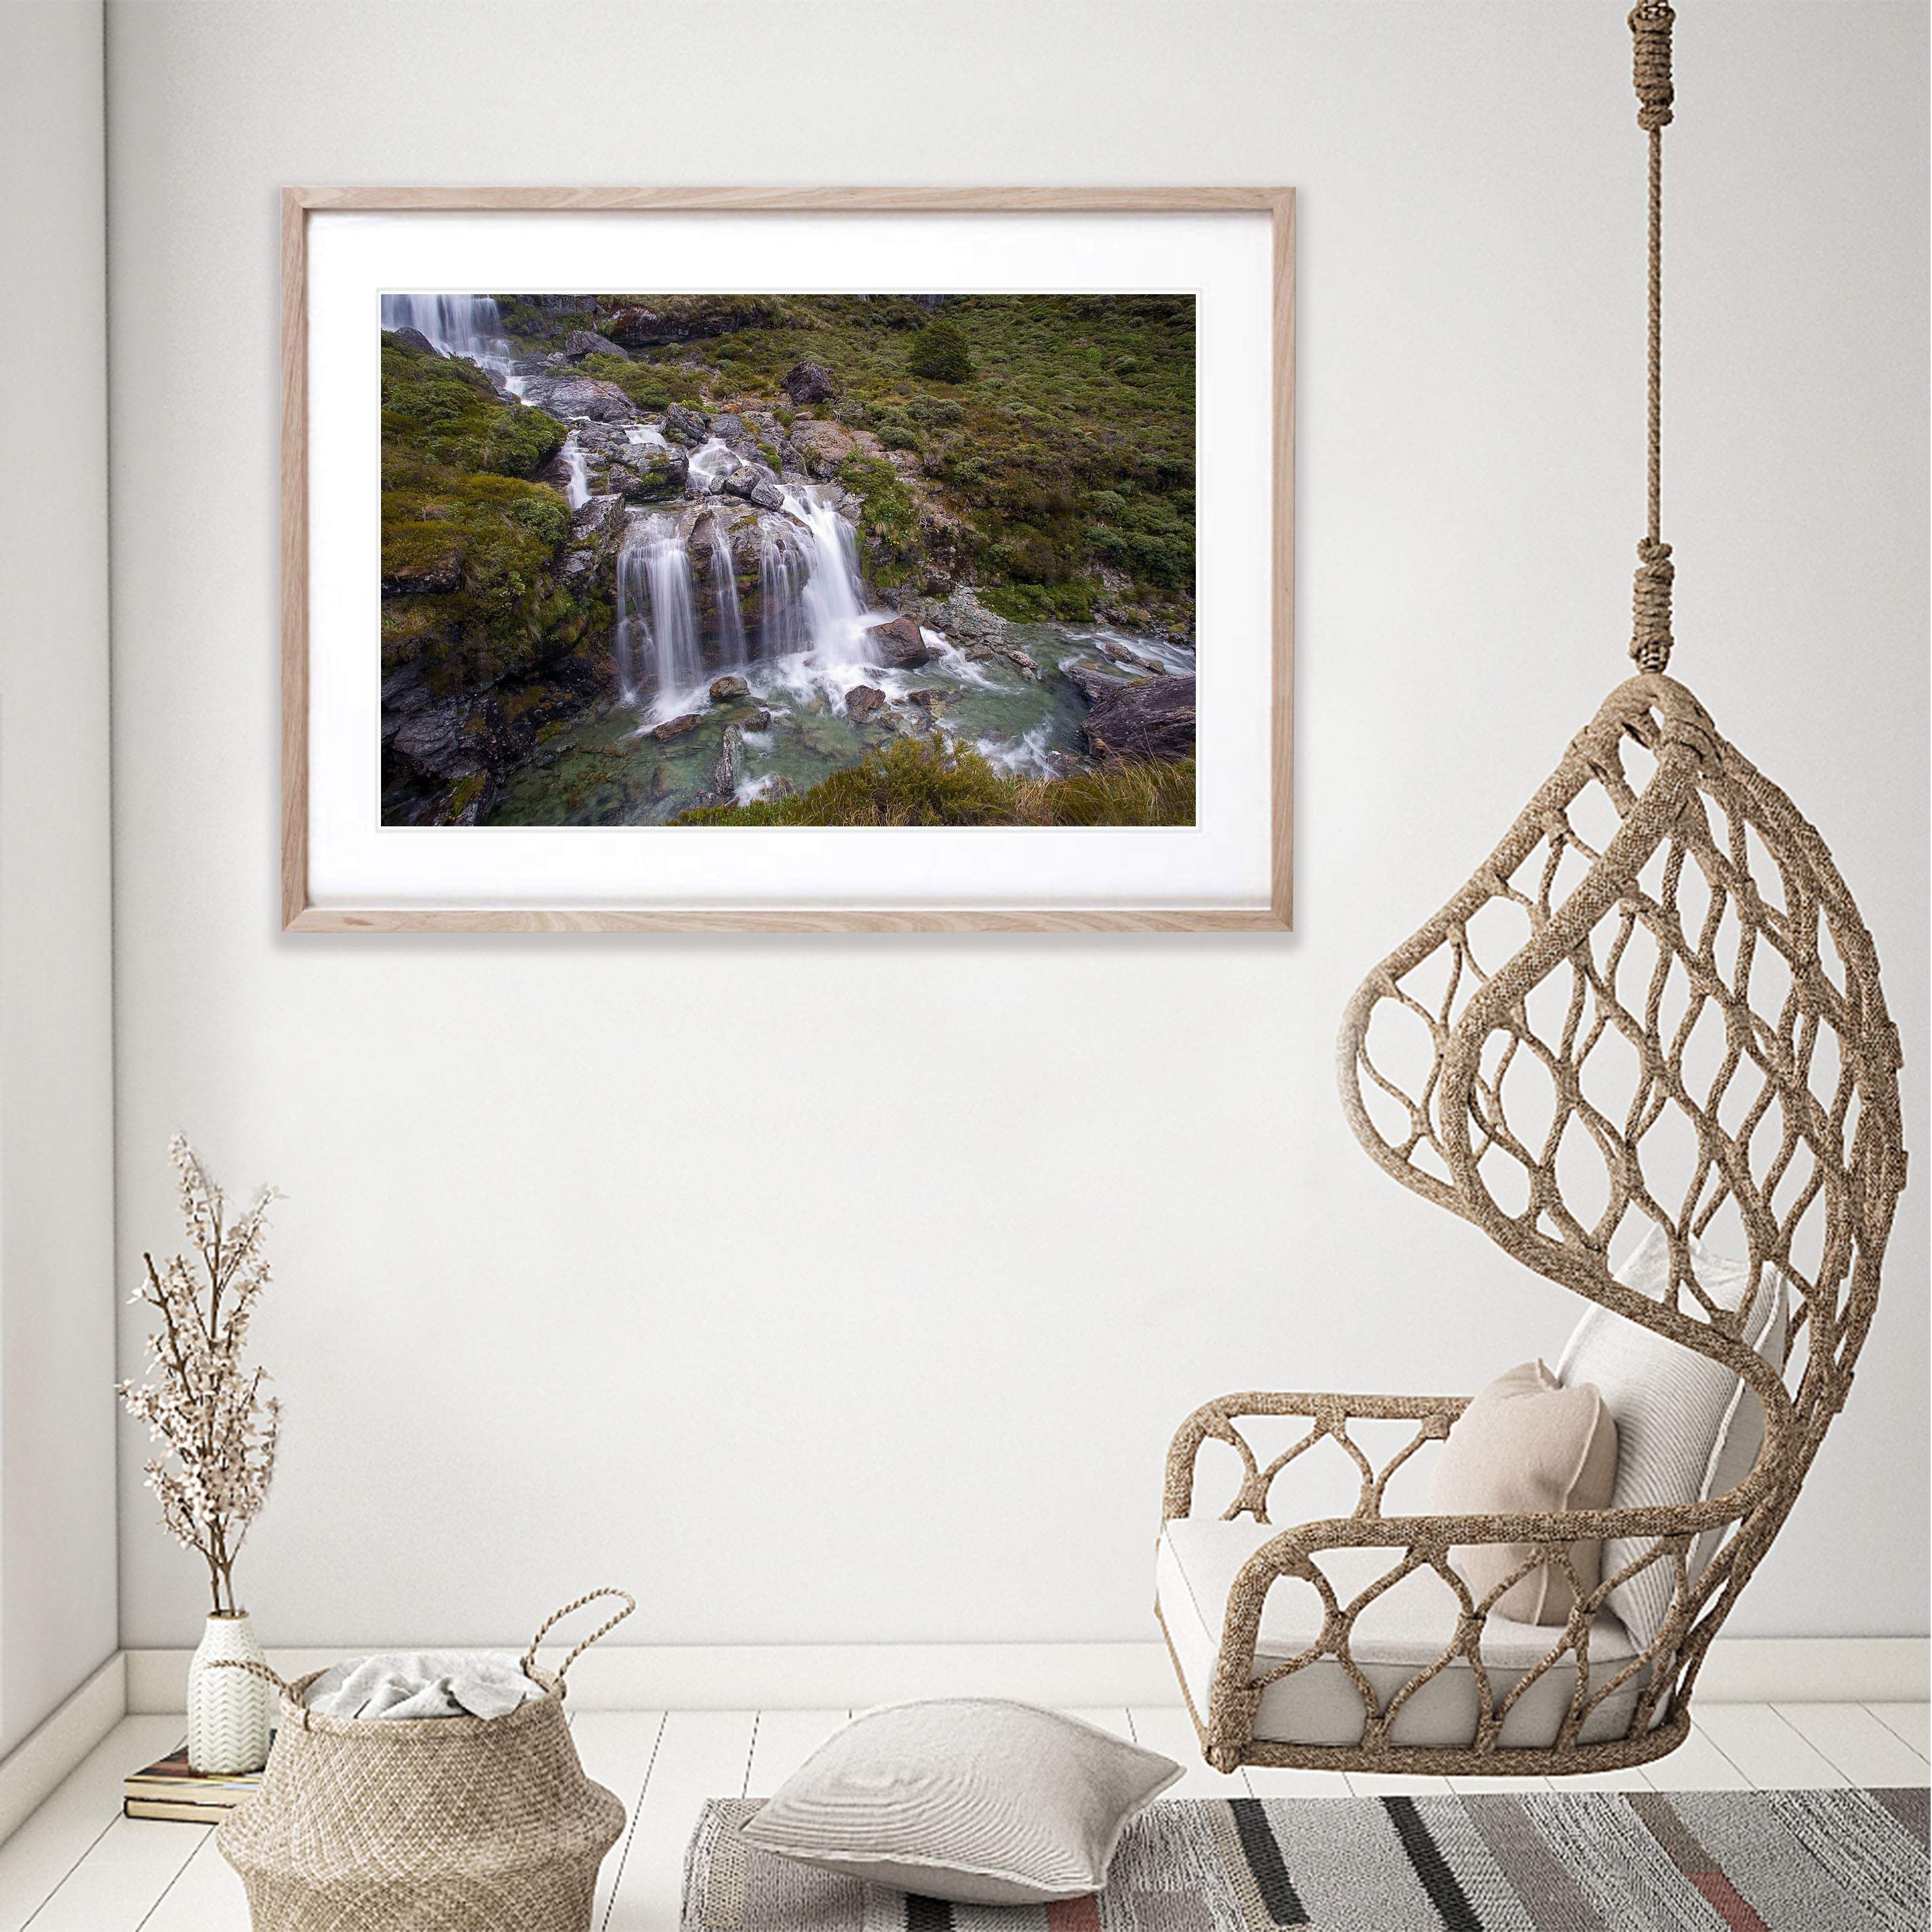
pixel 1651 640
pixel 1650 25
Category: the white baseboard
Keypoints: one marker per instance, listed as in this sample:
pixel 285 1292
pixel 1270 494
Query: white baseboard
pixel 1817 1670
pixel 41 1763
pixel 768 1677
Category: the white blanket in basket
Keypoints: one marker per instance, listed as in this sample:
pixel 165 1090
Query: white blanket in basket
pixel 422 1683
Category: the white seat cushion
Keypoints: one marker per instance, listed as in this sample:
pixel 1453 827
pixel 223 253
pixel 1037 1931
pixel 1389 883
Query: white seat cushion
pixel 1406 1629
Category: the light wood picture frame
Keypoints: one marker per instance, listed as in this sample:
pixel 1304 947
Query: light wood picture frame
pixel 332 833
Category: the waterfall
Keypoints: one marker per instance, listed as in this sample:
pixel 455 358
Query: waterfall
pixel 782 571
pixel 470 325
pixel 656 613
pixel 577 492
pixel 711 459
pixel 634 629
pixel 835 596
pixel 724 584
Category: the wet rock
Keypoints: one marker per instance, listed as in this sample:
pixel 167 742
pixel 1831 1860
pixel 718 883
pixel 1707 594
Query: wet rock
pixel 964 618
pixel 676 728
pixel 660 781
pixel 434 740
pixel 822 447
pixel 595 517
pixel 929 701
pixel 900 645
pixel 556 473
pixel 414 338
pixel 647 474
pixel 863 702
pixel 766 494
pixel 468 803
pixel 1152 719
pixel 439 574
pixel 730 430
pixel 402 689
pixel 725 775
pixel 1025 665
pixel 1120 654
pixel 758 721
pixel 809 382
pixel 782 786
pixel 724 690
pixel 564 397
pixel 1092 682
pixel 690 427
pixel 584 342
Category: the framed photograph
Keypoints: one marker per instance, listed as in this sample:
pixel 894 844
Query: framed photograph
pixel 738 560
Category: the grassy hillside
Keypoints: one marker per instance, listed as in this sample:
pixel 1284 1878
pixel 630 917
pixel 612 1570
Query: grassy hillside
pixel 1066 454
pixel 459 514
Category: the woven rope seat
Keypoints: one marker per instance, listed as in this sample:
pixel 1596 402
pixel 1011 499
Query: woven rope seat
pixel 1654 1006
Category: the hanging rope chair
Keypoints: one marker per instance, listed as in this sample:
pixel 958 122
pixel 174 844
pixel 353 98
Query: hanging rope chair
pixel 1654 1009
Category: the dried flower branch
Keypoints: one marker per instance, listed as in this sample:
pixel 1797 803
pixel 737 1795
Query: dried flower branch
pixel 220 1430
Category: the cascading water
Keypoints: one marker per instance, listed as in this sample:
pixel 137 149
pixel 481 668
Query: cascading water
pixel 576 491
pixel 724 587
pixel 657 614
pixel 471 326
pixel 835 596
pixel 634 625
pixel 783 568
pixel 712 460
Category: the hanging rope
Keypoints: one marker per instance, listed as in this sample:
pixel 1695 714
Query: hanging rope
pixel 1651 640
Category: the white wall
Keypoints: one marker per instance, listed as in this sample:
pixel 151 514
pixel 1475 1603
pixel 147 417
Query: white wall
pixel 57 1504
pixel 849 1287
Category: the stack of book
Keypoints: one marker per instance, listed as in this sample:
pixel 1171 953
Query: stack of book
pixel 171 1790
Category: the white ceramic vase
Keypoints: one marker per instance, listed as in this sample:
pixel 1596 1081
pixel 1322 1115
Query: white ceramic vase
pixel 229 1712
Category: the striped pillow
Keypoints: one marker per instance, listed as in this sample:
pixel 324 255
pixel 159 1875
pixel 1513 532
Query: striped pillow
pixel 972 1800
pixel 1687 1428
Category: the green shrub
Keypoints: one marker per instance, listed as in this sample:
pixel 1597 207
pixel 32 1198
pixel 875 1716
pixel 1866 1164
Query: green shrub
pixel 939 353
pixel 911 781
pixel 929 781
pixel 1069 603
pixel 889 533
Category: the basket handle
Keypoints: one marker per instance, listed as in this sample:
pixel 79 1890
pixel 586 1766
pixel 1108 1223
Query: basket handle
pixel 630 1603
pixel 253 1669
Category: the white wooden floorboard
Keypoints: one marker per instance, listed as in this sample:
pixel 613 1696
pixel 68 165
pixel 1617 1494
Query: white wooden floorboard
pixel 1394 1784
pixel 1855 1743
pixel 785 1740
pixel 206 1896
pixel 77 1866
pixel 1766 1749
pixel 1167 1728
pixel 1696 1765
pixel 615 1749
pixel 1479 1787
pixel 58 1834
pixel 1273 1780
pixel 701 1754
pixel 1912 1722
pixel 126 1869
pixel 1633 1778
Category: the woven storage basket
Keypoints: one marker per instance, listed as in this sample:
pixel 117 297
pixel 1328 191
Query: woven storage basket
pixel 438 1825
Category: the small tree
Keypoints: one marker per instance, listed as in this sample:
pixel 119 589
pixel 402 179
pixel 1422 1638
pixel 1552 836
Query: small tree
pixel 939 353
pixel 220 1432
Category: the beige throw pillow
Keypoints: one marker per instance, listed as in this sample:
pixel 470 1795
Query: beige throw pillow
pixel 1527 1445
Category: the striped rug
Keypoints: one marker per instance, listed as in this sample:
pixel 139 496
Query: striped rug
pixel 1566 1861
